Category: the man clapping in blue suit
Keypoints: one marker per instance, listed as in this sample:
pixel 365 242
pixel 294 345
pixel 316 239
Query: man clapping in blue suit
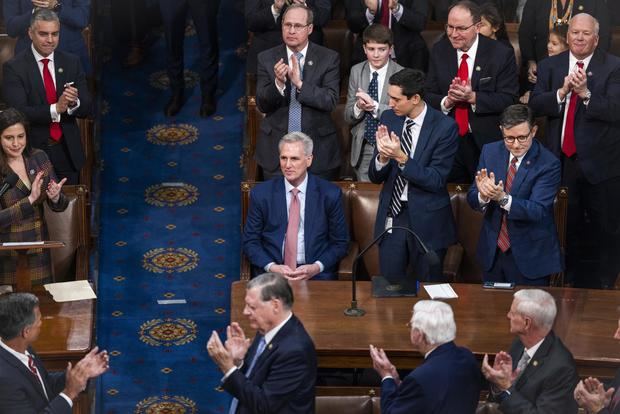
pixel 296 225
pixel 515 186
pixel 447 382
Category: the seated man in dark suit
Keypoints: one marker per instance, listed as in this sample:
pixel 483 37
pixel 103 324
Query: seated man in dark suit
pixel 414 153
pixel 515 186
pixel 277 372
pixel 539 374
pixel 473 79
pixel 49 87
pixel 297 88
pixel 592 396
pixel 295 225
pixel 449 380
pixel 25 385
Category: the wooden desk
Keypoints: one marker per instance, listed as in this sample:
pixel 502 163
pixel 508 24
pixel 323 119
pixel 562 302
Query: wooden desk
pixel 66 336
pixel 586 322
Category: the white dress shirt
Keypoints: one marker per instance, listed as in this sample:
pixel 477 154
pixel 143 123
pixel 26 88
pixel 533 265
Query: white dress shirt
pixel 471 59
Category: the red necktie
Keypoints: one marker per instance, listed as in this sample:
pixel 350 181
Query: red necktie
pixel 503 241
pixel 385 13
pixel 32 367
pixel 461 113
pixel 50 94
pixel 292 231
pixel 568 146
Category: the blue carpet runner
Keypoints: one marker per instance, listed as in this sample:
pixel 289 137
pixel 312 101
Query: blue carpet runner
pixel 170 213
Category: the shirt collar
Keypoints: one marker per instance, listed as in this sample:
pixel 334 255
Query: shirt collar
pixel 572 61
pixel 471 52
pixel 532 351
pixel 301 187
pixel 303 51
pixel 420 118
pixel 381 71
pixel 38 56
pixel 269 335
pixel 22 357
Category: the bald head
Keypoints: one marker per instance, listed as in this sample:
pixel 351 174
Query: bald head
pixel 582 35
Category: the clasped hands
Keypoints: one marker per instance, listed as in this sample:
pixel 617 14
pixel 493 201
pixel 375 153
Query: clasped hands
pixel 500 374
pixel 231 353
pixel 460 91
pixel 590 395
pixel 302 272
pixel 364 101
pixel 576 82
pixel 67 100
pixel 388 146
pixel 382 364
pixel 53 188
pixel 281 71
pixel 488 189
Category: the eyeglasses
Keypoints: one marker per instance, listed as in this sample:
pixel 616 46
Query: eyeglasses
pixel 458 29
pixel 296 26
pixel 520 138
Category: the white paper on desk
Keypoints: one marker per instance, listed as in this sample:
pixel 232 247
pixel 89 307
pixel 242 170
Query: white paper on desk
pixel 441 291
pixel 18 244
pixel 70 291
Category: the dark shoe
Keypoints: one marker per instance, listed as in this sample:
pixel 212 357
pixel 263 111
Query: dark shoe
pixel 174 105
pixel 208 106
pixel 134 57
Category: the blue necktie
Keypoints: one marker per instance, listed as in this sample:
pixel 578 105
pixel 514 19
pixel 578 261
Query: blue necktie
pixel 370 128
pixel 294 107
pixel 399 185
pixel 259 350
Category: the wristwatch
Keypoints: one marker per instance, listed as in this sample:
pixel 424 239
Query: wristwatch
pixel 586 100
pixel 503 395
pixel 504 200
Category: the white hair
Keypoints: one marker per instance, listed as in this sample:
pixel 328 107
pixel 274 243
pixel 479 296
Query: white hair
pixel 538 305
pixel 296 136
pixel 435 320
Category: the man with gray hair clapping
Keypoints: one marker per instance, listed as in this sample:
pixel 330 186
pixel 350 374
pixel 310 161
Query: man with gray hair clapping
pixel 448 381
pixel 538 374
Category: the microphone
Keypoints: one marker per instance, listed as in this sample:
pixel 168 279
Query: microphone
pixel 9 181
pixel 431 256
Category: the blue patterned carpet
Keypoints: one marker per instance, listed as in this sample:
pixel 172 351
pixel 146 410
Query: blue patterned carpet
pixel 169 208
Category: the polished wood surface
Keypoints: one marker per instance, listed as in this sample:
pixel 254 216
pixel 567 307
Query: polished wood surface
pixel 24 283
pixel 586 322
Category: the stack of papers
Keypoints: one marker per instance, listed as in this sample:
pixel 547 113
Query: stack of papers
pixel 440 291
pixel 70 291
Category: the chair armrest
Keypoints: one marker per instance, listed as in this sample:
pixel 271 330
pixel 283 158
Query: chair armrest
pixel 345 267
pixel 246 268
pixel 452 262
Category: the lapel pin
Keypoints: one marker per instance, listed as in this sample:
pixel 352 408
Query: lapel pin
pixel 527 162
pixel 60 70
pixel 589 73
pixel 478 68
pixel 269 346
pixel 31 172
pixel 580 7
pixel 535 363
pixel 310 63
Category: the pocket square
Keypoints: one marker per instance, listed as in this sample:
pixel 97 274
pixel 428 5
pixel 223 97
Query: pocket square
pixel 487 79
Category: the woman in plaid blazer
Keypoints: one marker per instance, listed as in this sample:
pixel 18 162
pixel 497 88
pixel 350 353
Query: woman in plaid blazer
pixel 21 206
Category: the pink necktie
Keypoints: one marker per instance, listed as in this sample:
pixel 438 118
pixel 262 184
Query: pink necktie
pixel 50 94
pixel 503 241
pixel 292 231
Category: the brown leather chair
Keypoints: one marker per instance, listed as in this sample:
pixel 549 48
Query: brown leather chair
pixel 338 37
pixel 7 47
pixel 343 130
pixel 344 404
pixel 87 134
pixel 70 227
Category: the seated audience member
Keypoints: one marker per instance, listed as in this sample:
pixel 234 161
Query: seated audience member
pixel 413 156
pixel 448 382
pixel 515 186
pixel 557 44
pixel 25 385
pixel 492 24
pixel 49 87
pixel 277 372
pixel 297 88
pixel 538 374
pixel 473 79
pixel 295 224
pixel 579 92
pixel 264 17
pixel 592 396
pixel 367 97
pixel 74 16
pixel 33 182
pixel 406 19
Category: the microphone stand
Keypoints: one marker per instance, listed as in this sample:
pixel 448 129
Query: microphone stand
pixel 353 310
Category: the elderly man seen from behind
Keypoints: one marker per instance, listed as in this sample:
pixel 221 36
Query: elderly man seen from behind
pixel 538 374
pixel 448 382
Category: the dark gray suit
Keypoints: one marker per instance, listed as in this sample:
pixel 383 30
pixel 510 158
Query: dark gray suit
pixel 318 97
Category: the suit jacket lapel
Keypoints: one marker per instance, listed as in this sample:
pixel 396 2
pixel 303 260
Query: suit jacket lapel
pixel 524 167
pixel 282 213
pixel 60 75
pixel 274 344
pixel 365 77
pixel 480 61
pixel 312 206
pixel 310 61
pixel 11 360
pixel 425 133
pixel 537 362
pixel 35 75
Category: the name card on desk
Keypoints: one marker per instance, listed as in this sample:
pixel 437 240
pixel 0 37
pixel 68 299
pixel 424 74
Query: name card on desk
pixel 440 291
pixel 70 291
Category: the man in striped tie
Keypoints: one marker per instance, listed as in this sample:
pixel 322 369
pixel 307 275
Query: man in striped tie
pixel 276 373
pixel 415 147
pixel 515 186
